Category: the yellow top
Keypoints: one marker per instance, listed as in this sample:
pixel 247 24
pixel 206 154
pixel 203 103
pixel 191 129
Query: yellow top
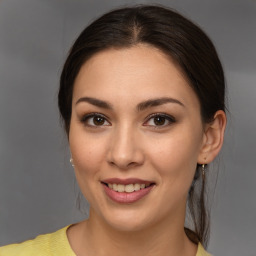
pixel 53 244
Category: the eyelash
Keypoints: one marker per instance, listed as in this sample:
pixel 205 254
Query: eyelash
pixel 168 118
pixel 86 118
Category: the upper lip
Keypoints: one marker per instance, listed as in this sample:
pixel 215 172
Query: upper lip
pixel 126 181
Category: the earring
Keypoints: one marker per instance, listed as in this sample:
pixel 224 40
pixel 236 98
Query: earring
pixel 203 167
pixel 71 161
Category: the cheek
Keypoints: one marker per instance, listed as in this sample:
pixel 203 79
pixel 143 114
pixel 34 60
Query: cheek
pixel 175 157
pixel 88 154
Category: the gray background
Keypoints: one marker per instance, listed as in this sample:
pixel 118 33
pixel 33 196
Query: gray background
pixel 37 187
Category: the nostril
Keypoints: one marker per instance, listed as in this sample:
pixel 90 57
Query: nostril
pixel 111 163
pixel 123 164
pixel 132 164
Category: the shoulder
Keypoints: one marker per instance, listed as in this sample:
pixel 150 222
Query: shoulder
pixel 201 251
pixel 43 245
pixel 38 246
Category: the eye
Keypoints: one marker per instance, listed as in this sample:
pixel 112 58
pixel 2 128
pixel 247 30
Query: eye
pixel 95 119
pixel 159 120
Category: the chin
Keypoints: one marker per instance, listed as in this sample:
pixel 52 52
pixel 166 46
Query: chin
pixel 128 220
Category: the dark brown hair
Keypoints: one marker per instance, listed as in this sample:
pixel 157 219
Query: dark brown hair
pixel 180 39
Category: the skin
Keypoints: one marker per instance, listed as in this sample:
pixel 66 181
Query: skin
pixel 129 143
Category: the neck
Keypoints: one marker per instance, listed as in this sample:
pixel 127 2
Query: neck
pixel 160 239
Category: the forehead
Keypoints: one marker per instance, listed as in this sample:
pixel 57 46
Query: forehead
pixel 140 72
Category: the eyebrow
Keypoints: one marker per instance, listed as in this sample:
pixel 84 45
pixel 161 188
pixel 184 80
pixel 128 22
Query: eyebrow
pixel 157 102
pixel 140 107
pixel 95 102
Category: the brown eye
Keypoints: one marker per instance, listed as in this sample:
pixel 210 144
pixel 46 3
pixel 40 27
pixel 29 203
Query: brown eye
pixel 98 120
pixel 94 120
pixel 159 120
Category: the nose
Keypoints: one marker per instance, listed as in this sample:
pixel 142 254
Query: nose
pixel 125 149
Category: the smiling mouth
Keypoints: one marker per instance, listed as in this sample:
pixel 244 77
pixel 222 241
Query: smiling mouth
pixel 129 188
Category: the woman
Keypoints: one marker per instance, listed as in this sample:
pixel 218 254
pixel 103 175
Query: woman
pixel 142 98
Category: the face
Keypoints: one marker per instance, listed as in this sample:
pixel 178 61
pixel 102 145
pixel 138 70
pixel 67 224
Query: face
pixel 135 136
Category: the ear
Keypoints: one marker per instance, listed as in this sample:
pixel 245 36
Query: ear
pixel 213 138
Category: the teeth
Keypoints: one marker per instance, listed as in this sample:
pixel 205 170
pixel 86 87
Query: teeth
pixel 127 188
pixel 120 188
pixel 114 187
pixel 136 187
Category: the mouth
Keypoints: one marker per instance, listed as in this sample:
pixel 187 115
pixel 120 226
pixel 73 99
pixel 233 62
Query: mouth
pixel 129 188
pixel 127 191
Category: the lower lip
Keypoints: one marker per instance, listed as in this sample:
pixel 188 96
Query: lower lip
pixel 127 198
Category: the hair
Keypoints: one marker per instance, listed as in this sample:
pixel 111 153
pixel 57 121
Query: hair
pixel 181 40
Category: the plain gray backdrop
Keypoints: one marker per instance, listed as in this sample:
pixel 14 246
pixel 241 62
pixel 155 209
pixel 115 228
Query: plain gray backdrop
pixel 37 187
